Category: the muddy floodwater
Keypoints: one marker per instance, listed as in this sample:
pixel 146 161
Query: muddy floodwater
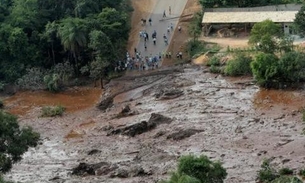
pixel 226 119
pixel 74 99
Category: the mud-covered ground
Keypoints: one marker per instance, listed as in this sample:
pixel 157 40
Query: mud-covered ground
pixel 227 119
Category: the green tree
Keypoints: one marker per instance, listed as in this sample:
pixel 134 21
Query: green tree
pixel 239 65
pixel 291 67
pixel 194 28
pixel 72 32
pixel 299 21
pixel 265 69
pixel 202 169
pixel 14 141
pixel 265 36
pixel 103 54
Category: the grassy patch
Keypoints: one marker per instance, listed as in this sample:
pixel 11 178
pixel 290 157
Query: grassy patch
pixel 51 111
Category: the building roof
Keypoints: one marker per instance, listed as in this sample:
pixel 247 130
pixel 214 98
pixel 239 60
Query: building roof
pixel 248 17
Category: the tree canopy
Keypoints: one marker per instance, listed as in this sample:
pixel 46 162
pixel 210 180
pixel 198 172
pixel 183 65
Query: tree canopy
pixel 43 33
pixel 299 21
pixel 14 141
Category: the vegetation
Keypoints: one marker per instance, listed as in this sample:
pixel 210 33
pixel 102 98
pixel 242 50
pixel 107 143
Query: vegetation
pixel 44 34
pixel 238 66
pixel 285 171
pixel 299 21
pixel 14 141
pixel 267 174
pixel 192 169
pixel 1 104
pixel 302 172
pixel 264 35
pixel 244 3
pixel 51 111
pixel 271 71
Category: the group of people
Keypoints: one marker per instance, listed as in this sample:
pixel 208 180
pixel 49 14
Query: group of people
pixel 137 61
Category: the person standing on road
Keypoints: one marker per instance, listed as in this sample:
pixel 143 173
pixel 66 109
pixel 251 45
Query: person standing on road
pixel 169 10
pixel 164 14
pixel 179 28
pixel 154 40
pixel 149 20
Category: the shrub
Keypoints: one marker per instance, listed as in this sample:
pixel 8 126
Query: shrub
pixel 195 47
pixel 52 82
pixel 215 60
pixel 32 80
pixel 215 69
pixel 285 171
pixel 265 69
pixel 267 173
pixel 302 172
pixel 51 111
pixel 1 104
pixel 202 169
pixel 286 179
pixel 291 67
pixel 240 65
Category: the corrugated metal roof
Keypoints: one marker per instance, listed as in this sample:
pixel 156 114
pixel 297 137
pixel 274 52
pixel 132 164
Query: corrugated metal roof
pixel 248 17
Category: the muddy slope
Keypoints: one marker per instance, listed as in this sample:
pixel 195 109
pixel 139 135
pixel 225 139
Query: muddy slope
pixel 211 115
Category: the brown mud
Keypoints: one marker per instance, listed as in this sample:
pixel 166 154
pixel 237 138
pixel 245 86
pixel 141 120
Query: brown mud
pixel 226 119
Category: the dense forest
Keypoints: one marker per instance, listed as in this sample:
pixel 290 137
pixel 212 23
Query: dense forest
pixel 48 41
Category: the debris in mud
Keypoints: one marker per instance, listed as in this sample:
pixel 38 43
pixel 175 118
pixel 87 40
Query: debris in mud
pixel 126 111
pixel 134 129
pixel 167 94
pixel 94 151
pixel 105 103
pixel 159 119
pixel 134 171
pixel 102 168
pixel 143 126
pixel 182 134
pixel 57 179
pixel 159 134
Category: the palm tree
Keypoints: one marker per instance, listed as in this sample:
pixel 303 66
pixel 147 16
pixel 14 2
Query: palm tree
pixel 72 32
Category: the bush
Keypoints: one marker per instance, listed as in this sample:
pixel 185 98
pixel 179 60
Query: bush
pixel 302 172
pixel 267 173
pixel 291 67
pixel 51 111
pixel 52 82
pixel 214 61
pixel 202 169
pixel 265 69
pixel 195 47
pixel 215 69
pixel 285 171
pixel 14 141
pixel 32 80
pixel 240 65
pixel 286 179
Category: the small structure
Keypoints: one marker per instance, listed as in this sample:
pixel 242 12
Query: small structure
pixel 245 20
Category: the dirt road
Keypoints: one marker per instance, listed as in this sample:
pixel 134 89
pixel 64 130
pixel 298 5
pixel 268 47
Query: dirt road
pixel 160 24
